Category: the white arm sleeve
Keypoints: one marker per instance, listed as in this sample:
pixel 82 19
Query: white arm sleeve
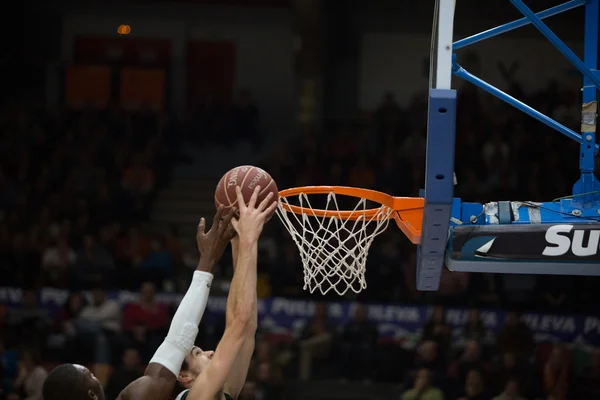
pixel 184 326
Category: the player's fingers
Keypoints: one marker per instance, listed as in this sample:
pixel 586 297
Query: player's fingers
pixel 217 218
pixel 269 209
pixel 227 219
pixel 201 227
pixel 263 204
pixel 234 223
pixel 240 199
pixel 230 232
pixel 254 197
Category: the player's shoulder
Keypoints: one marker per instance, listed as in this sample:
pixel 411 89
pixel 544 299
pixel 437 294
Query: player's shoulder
pixel 156 384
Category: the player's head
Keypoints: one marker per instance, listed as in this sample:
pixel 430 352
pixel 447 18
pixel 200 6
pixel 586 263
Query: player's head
pixel 193 365
pixel 72 382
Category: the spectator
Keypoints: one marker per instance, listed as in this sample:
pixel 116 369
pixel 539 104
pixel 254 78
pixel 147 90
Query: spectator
pixel 427 357
pixel 588 382
pixel 9 367
pixel 158 263
pixel 474 388
pixel 65 326
pixel 173 245
pixel 469 360
pixel 31 376
pixel 30 321
pixel 57 261
pixel 130 370
pixel 190 258
pixel 511 368
pixel 495 151
pixel 138 179
pixel 515 336
pixel 362 174
pixel 510 392
pixel 359 339
pixel 98 326
pixel 474 328
pixel 146 321
pixel 133 248
pixel 388 109
pixel 93 262
pixel 413 147
pixel 423 388
pixel 556 372
pixel 249 391
pixel 437 330
pixel 268 378
pixel 316 342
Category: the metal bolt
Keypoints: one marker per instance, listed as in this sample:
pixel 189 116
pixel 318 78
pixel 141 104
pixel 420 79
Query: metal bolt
pixel 447 47
pixel 576 213
pixel 473 218
pixel 588 138
pixel 598 211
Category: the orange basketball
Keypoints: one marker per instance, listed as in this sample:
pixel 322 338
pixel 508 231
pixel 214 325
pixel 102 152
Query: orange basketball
pixel 247 177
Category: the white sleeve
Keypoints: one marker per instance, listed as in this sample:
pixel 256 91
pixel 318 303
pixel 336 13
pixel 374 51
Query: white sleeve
pixel 184 326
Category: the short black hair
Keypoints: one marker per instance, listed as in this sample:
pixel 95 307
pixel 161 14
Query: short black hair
pixel 65 382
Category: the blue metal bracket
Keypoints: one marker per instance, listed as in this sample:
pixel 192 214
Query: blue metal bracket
pixel 439 187
pixel 490 33
pixel 559 44
pixel 586 191
pixel 587 188
pixel 467 76
pixel 508 236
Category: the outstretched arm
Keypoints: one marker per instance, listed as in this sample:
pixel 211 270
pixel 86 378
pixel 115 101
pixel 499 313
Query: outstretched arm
pixel 241 302
pixel 237 376
pixel 161 374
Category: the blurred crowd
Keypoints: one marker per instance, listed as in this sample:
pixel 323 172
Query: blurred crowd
pixel 440 363
pixel 76 192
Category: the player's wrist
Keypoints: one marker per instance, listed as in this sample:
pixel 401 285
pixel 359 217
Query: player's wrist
pixel 247 242
pixel 205 264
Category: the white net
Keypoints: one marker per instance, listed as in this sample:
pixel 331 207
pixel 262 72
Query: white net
pixel 333 248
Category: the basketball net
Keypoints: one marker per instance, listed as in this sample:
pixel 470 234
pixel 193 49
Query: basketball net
pixel 333 244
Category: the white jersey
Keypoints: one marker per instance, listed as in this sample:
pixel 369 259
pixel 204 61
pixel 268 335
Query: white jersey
pixel 182 395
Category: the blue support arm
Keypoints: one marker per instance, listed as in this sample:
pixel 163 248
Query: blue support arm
pixel 555 40
pixel 464 74
pixel 516 24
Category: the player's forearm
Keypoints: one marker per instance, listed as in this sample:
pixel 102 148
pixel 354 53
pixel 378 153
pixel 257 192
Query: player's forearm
pixel 241 303
pixel 184 326
pixel 235 244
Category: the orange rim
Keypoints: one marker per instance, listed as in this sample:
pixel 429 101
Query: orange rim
pixel 407 211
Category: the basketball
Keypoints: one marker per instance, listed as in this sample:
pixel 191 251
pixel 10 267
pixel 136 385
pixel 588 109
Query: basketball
pixel 247 177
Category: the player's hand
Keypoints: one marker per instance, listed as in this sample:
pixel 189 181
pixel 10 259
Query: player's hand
pixel 252 217
pixel 212 244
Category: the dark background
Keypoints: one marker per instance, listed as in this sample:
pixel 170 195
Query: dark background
pixel 100 199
